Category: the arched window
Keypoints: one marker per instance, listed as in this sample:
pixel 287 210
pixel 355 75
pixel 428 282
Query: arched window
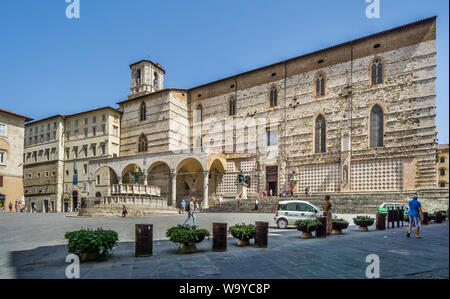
pixel 138 77
pixel 143 112
pixel 377 72
pixel 155 80
pixel 320 85
pixel 442 171
pixel 142 144
pixel 232 107
pixel 376 126
pixel 273 96
pixel 320 134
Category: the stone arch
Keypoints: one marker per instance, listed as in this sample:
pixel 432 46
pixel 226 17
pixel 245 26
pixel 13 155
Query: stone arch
pixel 127 174
pixel 217 168
pixel 159 174
pixel 190 179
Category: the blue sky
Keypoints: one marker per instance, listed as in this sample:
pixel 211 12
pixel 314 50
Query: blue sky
pixel 50 64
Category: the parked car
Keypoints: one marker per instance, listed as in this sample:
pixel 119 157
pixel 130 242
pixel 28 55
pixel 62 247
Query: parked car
pixel 288 212
pixel 383 208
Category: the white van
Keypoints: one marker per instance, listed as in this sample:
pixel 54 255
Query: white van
pixel 288 212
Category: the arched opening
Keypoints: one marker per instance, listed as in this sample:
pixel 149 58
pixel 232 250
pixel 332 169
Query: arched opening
pixel 133 175
pixel 138 77
pixel 320 84
pixel 104 178
pixel 216 173
pixel 142 144
pixel 190 181
pixel 155 80
pixel 159 175
pixel 376 127
pixel 320 134
pixel 98 196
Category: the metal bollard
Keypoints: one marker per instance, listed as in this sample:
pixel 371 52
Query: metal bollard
pixel 262 234
pixel 391 217
pixel 381 221
pixel 219 242
pixel 144 240
pixel 397 217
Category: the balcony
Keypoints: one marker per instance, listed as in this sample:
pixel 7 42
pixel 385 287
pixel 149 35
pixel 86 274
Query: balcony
pixel 137 190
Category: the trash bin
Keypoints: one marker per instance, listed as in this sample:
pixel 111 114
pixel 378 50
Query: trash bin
pixel 381 221
pixel 425 218
pixel 261 234
pixel 144 240
pixel 219 237
pixel 321 231
pixel 438 218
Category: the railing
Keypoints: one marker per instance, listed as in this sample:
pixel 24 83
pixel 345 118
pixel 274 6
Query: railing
pixel 124 200
pixel 145 190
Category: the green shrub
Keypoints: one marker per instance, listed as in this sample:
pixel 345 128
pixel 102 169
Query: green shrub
pixel 308 223
pixel 98 241
pixel 363 218
pixel 186 234
pixel 243 232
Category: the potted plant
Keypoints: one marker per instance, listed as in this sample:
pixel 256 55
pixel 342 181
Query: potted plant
pixel 307 227
pixel 91 245
pixel 363 222
pixel 187 237
pixel 243 233
pixel 339 225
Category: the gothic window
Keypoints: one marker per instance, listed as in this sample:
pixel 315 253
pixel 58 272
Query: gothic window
pixel 143 112
pixel 377 72
pixel 138 77
pixel 376 126
pixel 142 144
pixel 273 96
pixel 320 135
pixel 320 85
pixel 232 107
pixel 155 80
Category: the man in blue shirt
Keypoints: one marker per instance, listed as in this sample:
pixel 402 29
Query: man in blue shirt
pixel 415 215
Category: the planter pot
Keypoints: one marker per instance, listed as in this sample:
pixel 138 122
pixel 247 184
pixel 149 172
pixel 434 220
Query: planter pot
pixel 243 242
pixel 363 224
pixel 200 239
pixel 186 249
pixel 306 235
pixel 338 227
pixel 89 257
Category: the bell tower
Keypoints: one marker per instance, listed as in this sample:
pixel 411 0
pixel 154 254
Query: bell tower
pixel 146 77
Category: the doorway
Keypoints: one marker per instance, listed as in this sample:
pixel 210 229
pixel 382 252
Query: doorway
pixel 272 180
pixel 45 205
pixel 66 206
pixel 74 201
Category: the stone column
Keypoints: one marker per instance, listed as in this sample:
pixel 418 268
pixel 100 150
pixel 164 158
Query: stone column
pixel 145 180
pixel 205 189
pixel 174 188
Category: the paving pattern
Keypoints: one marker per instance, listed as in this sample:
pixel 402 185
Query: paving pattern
pixel 33 246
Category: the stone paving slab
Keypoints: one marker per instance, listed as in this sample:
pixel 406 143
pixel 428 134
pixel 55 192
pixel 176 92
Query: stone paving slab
pixel 287 256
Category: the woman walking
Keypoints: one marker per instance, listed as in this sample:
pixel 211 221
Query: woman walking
pixel 328 214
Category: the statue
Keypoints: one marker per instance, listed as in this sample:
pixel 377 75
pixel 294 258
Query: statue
pixel 136 174
pixel 241 177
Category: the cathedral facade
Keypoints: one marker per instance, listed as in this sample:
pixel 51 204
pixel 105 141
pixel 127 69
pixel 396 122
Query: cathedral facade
pixel 357 117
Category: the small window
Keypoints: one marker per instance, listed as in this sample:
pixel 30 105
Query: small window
pixel 442 160
pixel 199 113
pixel 442 172
pixel 94 131
pixel 272 137
pixel 320 85
pixel 142 144
pixel 377 72
pixel 2 157
pixel 443 185
pixel 273 96
pixel 143 112
pixel 232 107
pixel 138 77
pixel 98 180
pixel 155 80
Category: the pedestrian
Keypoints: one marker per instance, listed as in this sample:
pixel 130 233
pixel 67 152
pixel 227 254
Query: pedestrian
pixel 197 208
pixel 183 206
pixel 328 214
pixel 292 191
pixel 191 212
pixel 415 216
pixel 10 207
pixel 124 211
pixel 78 207
pixel 15 206
pixel 307 192
pixel 256 204
pixel 219 199
pixel 270 192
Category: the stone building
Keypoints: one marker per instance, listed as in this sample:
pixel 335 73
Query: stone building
pixel 44 164
pixel 442 166
pixel 358 117
pixel 12 127
pixel 88 135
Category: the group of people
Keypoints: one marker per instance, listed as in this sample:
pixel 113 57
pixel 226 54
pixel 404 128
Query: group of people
pixel 18 207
